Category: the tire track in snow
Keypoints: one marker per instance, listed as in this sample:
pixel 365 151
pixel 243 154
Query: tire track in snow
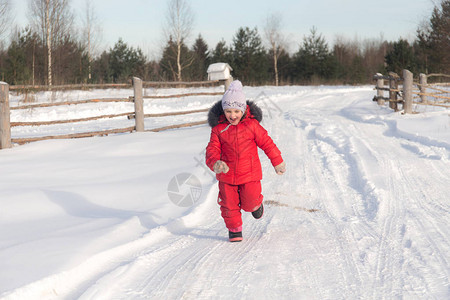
pixel 390 185
pixel 384 272
pixel 314 155
pixel 167 265
pixel 380 229
pixel 427 213
pixel 353 248
pixel 337 146
pixel 85 278
pixel 339 213
pixel 163 268
pixel 189 265
pixel 394 190
pixel 370 167
pixel 289 227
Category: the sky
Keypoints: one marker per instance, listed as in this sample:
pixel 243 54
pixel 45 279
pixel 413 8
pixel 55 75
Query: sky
pixel 140 23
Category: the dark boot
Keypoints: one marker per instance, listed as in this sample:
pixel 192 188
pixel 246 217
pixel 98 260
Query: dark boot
pixel 235 236
pixel 257 214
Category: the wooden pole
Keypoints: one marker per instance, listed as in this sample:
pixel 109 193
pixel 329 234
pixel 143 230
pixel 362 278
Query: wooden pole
pixel 380 93
pixel 138 104
pixel 393 85
pixel 422 87
pixel 5 127
pixel 22 141
pixel 227 82
pixel 407 91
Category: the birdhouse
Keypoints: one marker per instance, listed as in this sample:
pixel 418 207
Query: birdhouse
pixel 219 71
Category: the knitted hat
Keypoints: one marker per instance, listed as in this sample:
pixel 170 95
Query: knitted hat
pixel 234 97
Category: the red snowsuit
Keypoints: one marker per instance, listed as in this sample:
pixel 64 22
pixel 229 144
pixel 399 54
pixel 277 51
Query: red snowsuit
pixel 237 146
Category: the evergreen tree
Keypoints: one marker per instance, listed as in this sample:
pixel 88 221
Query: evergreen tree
pixel 118 60
pixel 221 53
pixel 313 60
pixel 16 70
pixel 24 59
pixel 344 55
pixel 201 59
pixel 401 57
pixel 356 72
pixel 434 41
pixel 71 62
pixel 101 70
pixel 152 71
pixel 168 63
pixel 249 57
pixel 125 62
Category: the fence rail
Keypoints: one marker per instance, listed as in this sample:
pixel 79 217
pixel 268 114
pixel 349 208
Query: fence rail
pixel 37 88
pixel 22 141
pixel 31 106
pixel 138 114
pixel 40 123
pixel 411 92
pixel 181 95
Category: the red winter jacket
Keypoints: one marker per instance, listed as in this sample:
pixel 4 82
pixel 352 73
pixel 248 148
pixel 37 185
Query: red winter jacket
pixel 238 145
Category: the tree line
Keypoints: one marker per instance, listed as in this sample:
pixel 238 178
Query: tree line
pixel 48 52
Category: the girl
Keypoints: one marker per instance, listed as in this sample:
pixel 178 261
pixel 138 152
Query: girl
pixel 232 154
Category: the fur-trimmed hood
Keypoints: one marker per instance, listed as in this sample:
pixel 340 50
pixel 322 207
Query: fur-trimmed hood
pixel 216 114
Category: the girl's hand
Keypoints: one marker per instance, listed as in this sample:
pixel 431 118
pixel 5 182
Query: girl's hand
pixel 220 167
pixel 281 168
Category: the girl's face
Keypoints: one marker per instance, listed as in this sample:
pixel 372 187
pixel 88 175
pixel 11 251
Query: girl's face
pixel 233 115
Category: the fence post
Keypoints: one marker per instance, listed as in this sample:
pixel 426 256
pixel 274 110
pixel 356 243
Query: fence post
pixel 380 92
pixel 407 91
pixel 138 104
pixel 5 126
pixel 422 87
pixel 393 85
pixel 226 82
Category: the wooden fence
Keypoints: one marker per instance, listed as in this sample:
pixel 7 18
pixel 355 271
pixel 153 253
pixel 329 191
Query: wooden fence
pixel 138 114
pixel 404 91
pixel 36 88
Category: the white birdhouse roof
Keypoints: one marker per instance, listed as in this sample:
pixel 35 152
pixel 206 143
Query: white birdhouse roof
pixel 218 67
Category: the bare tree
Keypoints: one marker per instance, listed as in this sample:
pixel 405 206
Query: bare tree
pixel 179 25
pixel 5 16
pixel 374 52
pixel 91 33
pixel 272 32
pixel 48 37
pixel 54 20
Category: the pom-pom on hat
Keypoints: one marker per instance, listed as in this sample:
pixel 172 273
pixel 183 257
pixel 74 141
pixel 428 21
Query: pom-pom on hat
pixel 234 97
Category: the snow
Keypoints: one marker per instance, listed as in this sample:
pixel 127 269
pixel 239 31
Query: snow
pixel 218 67
pixel 361 213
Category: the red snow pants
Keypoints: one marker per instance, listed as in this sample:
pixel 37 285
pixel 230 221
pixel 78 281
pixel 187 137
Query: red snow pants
pixel 233 198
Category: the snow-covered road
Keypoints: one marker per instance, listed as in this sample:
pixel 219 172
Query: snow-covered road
pixel 362 212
